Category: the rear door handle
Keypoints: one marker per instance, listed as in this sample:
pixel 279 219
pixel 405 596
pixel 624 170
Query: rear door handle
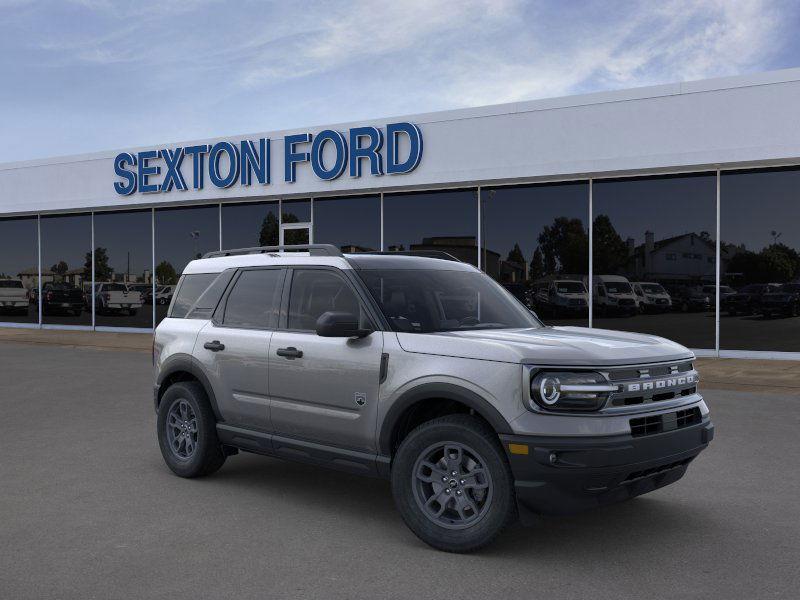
pixel 290 352
pixel 214 346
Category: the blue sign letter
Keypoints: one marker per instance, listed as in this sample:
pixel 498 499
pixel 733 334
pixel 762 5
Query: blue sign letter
pixel 197 152
pixel 393 131
pixel 372 151
pixel 253 161
pixel 290 157
pixel 125 189
pixel 213 164
pixel 318 147
pixel 145 171
pixel 173 176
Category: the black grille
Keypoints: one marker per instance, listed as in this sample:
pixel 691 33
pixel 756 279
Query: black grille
pixel 653 371
pixel 667 422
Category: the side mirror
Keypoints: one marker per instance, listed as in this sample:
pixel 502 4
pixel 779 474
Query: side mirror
pixel 340 324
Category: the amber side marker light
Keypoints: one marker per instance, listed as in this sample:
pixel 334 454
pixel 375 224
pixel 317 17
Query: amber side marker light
pixel 518 448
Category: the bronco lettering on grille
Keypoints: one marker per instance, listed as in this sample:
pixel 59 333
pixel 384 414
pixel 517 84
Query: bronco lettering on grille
pixel 660 384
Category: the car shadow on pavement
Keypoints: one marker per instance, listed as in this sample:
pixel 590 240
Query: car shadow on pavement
pixel 619 530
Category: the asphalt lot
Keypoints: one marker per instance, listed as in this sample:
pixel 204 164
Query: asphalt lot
pixel 88 510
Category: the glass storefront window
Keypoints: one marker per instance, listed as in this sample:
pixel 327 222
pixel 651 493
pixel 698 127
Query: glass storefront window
pixel 445 221
pixel 19 270
pixel 535 241
pixel 67 269
pixel 654 256
pixel 296 211
pixel 352 224
pixel 123 269
pixel 248 225
pixel 182 235
pixel 760 260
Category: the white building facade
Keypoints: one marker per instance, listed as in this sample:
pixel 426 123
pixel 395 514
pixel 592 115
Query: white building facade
pixel 602 184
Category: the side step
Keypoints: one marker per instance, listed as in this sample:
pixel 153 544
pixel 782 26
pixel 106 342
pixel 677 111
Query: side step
pixel 332 457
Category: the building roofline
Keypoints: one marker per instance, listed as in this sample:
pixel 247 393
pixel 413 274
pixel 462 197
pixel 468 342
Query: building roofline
pixel 776 77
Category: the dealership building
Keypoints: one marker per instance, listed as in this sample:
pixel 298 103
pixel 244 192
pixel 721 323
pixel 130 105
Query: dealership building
pixel 672 210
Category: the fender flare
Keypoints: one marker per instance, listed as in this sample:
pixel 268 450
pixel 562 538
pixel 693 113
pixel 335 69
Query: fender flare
pixel 447 391
pixel 185 363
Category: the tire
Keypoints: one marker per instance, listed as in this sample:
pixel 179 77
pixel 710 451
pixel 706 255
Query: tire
pixel 206 454
pixel 493 506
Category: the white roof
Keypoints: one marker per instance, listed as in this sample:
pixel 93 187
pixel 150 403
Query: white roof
pixel 217 264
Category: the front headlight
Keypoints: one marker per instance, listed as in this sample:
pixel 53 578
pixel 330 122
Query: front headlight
pixel 570 390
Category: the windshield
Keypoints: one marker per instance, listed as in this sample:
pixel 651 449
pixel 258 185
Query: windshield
pixel 570 287
pixel 617 287
pixel 10 283
pixel 430 301
pixel 653 288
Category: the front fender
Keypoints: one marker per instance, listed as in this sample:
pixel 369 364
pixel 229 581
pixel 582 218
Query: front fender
pixel 447 391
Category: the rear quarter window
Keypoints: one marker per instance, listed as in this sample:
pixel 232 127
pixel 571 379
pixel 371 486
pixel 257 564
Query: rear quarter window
pixel 190 288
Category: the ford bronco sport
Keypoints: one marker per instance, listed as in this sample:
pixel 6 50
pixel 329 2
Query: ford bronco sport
pixel 426 372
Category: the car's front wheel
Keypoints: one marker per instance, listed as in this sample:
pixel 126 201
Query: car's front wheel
pixel 452 483
pixel 187 433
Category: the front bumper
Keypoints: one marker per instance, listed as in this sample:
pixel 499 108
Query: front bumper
pixel 592 471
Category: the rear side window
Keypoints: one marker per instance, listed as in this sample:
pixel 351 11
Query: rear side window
pixel 254 299
pixel 189 290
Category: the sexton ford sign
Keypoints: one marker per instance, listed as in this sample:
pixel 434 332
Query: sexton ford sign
pixel 225 164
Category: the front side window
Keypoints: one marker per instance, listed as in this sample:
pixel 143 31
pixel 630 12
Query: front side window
pixel 430 301
pixel 253 301
pixel 315 292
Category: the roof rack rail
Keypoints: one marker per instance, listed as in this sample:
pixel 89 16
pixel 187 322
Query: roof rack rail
pixel 313 250
pixel 423 253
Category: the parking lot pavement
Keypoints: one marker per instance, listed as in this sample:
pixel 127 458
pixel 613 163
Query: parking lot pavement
pixel 88 510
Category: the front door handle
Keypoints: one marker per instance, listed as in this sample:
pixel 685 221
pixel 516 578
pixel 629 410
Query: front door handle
pixel 214 346
pixel 290 352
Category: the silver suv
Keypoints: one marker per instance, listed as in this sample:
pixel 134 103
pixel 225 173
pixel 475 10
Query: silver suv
pixel 424 371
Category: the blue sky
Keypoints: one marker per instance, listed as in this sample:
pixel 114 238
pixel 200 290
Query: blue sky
pixel 85 75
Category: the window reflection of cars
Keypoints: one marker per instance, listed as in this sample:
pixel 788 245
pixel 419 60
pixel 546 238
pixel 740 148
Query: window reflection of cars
pixel 164 294
pixel 725 291
pixel 651 297
pixel 613 295
pixel 61 298
pixel 691 299
pixel 561 297
pixel 785 301
pixel 13 296
pixel 747 301
pixel 116 298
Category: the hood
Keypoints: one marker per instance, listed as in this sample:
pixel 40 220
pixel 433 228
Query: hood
pixel 573 346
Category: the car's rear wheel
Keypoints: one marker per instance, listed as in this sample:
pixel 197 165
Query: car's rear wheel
pixel 452 483
pixel 187 433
